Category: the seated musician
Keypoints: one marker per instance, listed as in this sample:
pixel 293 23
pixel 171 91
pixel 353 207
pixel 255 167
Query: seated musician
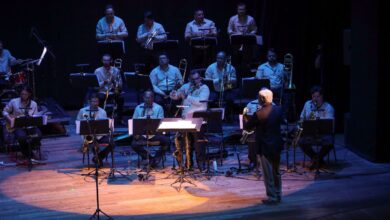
pixel 110 84
pixel 164 79
pixel 317 108
pixel 149 109
pixel 200 27
pixel 274 71
pixel 224 78
pixel 23 106
pixel 147 34
pixel 110 27
pixel 192 94
pixel 6 61
pixel 242 24
pixel 94 112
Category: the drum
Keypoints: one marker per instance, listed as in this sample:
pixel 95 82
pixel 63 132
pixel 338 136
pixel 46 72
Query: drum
pixel 18 78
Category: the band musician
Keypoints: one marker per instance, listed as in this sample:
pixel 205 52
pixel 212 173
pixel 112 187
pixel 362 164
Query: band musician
pixel 194 95
pixel 110 85
pixel 94 112
pixel 23 106
pixel 165 78
pixel 149 109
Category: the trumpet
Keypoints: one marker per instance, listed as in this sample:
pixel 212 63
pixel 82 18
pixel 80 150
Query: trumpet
pixel 150 39
pixel 288 64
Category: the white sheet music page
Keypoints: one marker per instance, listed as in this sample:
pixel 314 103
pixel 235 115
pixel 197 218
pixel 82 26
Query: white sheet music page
pixel 179 124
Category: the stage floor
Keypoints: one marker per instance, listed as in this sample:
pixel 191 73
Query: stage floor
pixel 355 188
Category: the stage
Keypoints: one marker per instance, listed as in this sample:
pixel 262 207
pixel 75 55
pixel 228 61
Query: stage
pixel 356 189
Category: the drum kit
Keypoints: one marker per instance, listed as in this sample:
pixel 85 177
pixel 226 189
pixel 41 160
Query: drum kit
pixel 20 77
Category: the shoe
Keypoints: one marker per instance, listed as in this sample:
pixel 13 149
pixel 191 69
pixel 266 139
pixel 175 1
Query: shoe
pixel 270 202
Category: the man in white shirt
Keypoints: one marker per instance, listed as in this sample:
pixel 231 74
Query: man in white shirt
pixel 317 108
pixel 147 34
pixel 149 109
pixel 110 27
pixel 198 29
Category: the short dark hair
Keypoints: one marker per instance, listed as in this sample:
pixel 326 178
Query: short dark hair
pixel 149 15
pixel 109 6
pixel 28 89
pixel 198 9
pixel 107 55
pixel 149 90
pixel 94 96
pixel 163 54
pixel 271 50
pixel 241 4
pixel 315 89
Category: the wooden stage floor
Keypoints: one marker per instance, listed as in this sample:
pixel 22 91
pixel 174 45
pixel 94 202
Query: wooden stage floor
pixel 357 189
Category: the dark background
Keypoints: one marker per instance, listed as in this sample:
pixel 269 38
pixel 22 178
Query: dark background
pixel 296 27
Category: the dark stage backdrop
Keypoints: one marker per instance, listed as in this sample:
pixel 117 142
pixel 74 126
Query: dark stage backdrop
pixel 68 27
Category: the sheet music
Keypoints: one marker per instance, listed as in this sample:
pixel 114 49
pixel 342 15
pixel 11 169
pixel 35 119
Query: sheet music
pixel 130 126
pixel 180 124
pixel 241 118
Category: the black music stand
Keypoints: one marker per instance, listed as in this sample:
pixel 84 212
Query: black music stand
pixel 165 45
pixel 204 44
pixel 93 127
pixel 245 39
pixel 116 48
pixel 83 80
pixel 138 82
pixel 251 86
pixel 213 125
pixel 198 123
pixel 317 128
pixel 26 122
pixel 147 126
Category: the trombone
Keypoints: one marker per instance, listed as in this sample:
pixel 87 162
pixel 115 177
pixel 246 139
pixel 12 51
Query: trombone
pixel 183 67
pixel 226 82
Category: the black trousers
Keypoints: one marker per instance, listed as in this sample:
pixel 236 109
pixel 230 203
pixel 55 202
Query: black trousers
pixel 105 151
pixel 325 141
pixel 22 136
pixel 139 144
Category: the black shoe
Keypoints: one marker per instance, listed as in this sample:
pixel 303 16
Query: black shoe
pixel 270 202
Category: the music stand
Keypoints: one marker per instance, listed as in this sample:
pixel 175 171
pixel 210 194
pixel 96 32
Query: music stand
pixel 213 125
pixel 146 127
pixel 203 44
pixel 138 82
pixel 317 128
pixel 26 122
pixel 116 48
pixel 93 127
pixel 165 45
pixel 83 80
pixel 251 86
pixel 245 39
pixel 185 126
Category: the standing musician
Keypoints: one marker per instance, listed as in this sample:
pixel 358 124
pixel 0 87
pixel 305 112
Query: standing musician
pixel 194 95
pixel 267 121
pixel 110 27
pixel 110 84
pixel 149 109
pixel 198 28
pixel 23 106
pixel 317 108
pixel 148 33
pixel 274 71
pixel 224 78
pixel 94 112
pixel 164 79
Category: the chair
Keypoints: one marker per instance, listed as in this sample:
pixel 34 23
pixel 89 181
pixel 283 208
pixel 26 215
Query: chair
pixel 213 133
pixel 152 146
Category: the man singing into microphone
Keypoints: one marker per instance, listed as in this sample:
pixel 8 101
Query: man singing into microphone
pixel 94 112
pixel 317 108
pixel 149 109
